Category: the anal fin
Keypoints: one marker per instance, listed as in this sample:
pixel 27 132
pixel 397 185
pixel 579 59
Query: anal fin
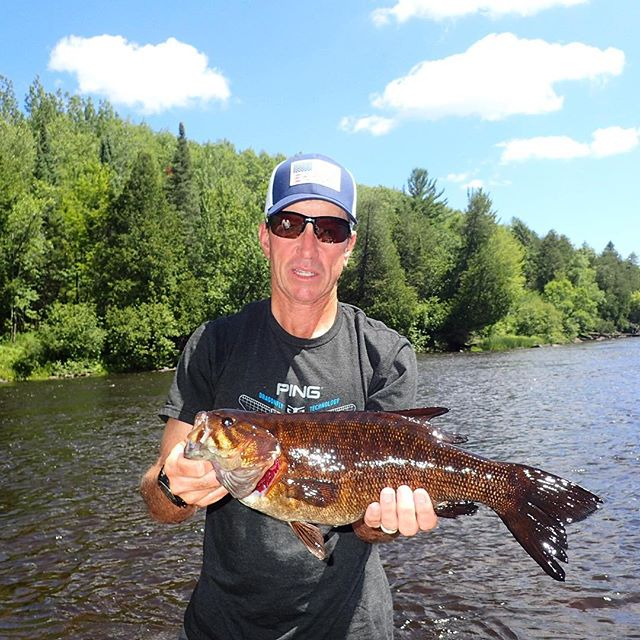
pixel 455 509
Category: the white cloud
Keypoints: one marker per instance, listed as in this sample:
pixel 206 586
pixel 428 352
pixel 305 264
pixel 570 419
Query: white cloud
pixel 549 147
pixel 376 125
pixel 474 184
pixel 150 77
pixel 405 10
pixel 613 141
pixel 605 142
pixel 457 177
pixel 498 76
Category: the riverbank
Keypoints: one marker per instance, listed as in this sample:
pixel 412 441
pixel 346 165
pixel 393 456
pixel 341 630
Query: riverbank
pixel 507 342
pixel 12 353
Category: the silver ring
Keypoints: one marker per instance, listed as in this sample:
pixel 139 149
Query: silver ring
pixel 388 531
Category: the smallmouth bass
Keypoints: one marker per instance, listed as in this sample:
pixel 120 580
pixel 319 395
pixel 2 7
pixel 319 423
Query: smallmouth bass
pixel 327 467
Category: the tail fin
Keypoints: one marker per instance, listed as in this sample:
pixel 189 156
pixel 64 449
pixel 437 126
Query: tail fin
pixel 548 502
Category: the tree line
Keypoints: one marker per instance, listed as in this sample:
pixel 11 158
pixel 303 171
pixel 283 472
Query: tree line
pixel 117 241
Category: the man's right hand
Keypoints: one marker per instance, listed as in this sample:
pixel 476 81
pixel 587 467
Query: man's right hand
pixel 195 481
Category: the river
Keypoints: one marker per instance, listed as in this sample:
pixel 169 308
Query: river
pixel 80 559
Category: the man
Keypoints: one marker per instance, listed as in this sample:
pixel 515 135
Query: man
pixel 301 350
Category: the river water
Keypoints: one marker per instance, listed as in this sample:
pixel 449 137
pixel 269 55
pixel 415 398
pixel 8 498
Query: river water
pixel 80 559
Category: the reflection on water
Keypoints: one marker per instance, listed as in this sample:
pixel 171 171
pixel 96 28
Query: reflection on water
pixel 79 557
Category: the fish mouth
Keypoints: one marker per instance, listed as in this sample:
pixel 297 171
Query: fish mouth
pixel 194 451
pixel 225 460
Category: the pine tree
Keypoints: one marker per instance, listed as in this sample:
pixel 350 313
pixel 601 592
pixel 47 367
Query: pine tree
pixel 489 273
pixel 374 280
pixel 181 187
pixel 138 258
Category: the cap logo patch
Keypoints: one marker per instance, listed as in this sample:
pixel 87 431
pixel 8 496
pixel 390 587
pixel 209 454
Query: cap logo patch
pixel 316 171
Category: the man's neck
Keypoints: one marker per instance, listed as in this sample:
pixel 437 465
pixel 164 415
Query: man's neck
pixel 305 321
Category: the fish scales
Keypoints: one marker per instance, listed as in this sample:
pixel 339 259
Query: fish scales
pixel 326 468
pixel 361 458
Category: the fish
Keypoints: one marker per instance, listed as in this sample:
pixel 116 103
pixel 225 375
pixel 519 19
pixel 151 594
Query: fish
pixel 325 468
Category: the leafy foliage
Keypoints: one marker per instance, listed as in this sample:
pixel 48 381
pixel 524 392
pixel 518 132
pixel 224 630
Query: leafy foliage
pixel 117 241
pixel 140 338
pixel 71 332
pixel 375 280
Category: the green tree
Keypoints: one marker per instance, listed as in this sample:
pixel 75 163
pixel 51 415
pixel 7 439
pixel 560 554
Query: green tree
pixel 618 279
pixel 182 190
pixel 634 310
pixel 141 252
pixel 576 300
pixel 530 242
pixel 425 196
pixel 534 316
pixel 141 338
pixel 43 109
pixel 490 273
pixel 226 255
pixel 79 198
pixel 374 279
pixel 21 261
pixel 21 215
pixel 426 241
pixel 71 332
pixel 553 259
pixel 9 109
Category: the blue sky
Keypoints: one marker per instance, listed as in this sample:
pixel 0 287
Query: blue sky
pixel 535 101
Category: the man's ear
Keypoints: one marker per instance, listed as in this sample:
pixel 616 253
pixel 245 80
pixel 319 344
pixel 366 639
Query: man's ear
pixel 263 237
pixel 350 245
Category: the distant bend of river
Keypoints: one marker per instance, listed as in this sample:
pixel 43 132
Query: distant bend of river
pixel 80 559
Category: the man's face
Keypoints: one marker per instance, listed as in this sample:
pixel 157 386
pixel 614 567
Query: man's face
pixel 303 269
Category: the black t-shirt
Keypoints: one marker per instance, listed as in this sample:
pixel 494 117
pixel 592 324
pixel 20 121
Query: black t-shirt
pixel 258 581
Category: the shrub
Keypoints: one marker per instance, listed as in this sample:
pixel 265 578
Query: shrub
pixel 504 342
pixel 535 316
pixel 71 332
pixel 141 338
pixel 634 308
pixel 28 356
pixel 428 319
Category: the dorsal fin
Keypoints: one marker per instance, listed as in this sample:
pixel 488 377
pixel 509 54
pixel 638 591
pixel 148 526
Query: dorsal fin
pixel 422 415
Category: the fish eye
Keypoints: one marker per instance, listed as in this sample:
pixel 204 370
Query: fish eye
pixel 227 422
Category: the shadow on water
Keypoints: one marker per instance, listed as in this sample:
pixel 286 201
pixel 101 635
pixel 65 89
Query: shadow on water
pixel 79 557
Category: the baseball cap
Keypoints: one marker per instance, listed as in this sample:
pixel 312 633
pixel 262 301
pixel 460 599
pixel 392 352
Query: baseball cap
pixel 311 176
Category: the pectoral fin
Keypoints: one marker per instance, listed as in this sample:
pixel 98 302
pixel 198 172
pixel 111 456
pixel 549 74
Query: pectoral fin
pixel 311 537
pixel 318 493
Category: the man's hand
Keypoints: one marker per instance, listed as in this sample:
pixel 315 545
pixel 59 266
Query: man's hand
pixel 403 511
pixel 194 481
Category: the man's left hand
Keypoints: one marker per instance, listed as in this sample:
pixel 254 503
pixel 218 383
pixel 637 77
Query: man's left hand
pixel 402 510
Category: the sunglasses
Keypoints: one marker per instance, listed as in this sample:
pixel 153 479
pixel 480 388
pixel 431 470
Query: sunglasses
pixel 289 224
